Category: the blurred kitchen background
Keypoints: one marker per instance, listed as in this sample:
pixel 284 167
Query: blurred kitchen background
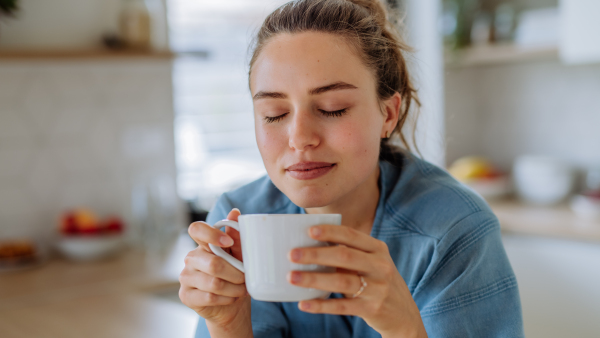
pixel 121 121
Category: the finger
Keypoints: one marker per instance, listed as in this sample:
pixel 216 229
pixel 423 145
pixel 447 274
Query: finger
pixel 342 270
pixel 214 265
pixel 338 256
pixel 333 282
pixel 236 248
pixel 346 236
pixel 194 298
pixel 203 233
pixel 233 214
pixel 207 283
pixel 337 306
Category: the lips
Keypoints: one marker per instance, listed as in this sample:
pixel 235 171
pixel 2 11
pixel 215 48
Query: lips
pixel 309 165
pixel 309 170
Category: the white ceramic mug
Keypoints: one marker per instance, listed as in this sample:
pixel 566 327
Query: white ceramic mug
pixel 266 241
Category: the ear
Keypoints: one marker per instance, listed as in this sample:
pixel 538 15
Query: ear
pixel 391 110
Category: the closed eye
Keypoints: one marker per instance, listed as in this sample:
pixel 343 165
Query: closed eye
pixel 334 113
pixel 270 119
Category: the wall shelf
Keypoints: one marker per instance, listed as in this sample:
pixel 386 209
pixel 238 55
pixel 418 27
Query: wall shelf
pixel 487 55
pixel 83 54
pixel 557 221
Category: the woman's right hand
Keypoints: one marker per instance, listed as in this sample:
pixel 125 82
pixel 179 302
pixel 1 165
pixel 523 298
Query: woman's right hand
pixel 210 285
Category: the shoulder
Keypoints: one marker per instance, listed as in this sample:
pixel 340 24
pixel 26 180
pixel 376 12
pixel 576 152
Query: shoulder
pixel 424 198
pixel 258 197
pixel 458 268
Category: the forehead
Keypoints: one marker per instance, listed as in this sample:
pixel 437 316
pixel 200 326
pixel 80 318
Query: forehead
pixel 307 60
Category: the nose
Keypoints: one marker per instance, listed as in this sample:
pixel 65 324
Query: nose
pixel 303 131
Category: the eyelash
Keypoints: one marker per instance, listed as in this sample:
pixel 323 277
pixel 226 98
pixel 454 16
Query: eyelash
pixel 335 113
pixel 269 119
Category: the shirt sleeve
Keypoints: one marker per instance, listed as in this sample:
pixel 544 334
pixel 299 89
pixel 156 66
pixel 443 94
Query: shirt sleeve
pixel 268 319
pixel 469 289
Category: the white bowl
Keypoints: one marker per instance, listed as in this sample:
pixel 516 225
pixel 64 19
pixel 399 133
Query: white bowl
pixel 543 180
pixel 89 248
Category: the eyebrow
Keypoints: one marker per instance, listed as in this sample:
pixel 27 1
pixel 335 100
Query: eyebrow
pixel 315 91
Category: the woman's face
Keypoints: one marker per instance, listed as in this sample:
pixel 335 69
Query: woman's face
pixel 317 117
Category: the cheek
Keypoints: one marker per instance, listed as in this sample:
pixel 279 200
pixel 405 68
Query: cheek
pixel 269 144
pixel 358 139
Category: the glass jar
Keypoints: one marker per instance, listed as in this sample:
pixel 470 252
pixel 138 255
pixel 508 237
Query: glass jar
pixel 135 24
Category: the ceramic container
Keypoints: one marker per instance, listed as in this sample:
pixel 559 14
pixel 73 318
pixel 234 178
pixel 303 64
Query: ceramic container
pixel 543 180
pixel 266 242
pixel 89 248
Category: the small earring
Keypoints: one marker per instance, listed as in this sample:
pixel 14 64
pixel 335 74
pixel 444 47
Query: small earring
pixel 388 134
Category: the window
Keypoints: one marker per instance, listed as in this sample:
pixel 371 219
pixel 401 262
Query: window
pixel 214 126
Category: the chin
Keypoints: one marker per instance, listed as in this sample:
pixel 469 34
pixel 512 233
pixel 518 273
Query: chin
pixel 309 197
pixel 307 193
pixel 308 203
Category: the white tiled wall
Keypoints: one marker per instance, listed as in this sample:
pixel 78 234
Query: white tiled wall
pixel 508 110
pixel 82 133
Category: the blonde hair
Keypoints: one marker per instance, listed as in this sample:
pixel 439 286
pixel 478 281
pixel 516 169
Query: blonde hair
pixel 366 26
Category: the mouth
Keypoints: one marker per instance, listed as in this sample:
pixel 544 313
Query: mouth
pixel 309 170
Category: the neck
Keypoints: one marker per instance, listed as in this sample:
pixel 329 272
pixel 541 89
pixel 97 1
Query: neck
pixel 358 207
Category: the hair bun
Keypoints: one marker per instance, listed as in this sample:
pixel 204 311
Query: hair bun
pixel 376 7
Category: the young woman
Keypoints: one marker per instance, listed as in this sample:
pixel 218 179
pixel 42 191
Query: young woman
pixel 419 254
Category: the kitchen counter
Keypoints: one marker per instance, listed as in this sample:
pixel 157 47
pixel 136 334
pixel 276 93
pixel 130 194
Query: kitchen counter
pixel 133 295
pixel 554 221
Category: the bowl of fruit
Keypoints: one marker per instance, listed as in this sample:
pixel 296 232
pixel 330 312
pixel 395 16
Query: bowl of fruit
pixel 84 237
pixel 482 176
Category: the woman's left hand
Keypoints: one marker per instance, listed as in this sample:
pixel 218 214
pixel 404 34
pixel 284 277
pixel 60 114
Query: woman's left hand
pixel 385 303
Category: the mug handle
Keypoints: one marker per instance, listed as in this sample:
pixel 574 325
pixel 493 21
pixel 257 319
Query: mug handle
pixel 220 252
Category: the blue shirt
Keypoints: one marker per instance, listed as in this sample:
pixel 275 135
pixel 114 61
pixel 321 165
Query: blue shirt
pixel 444 240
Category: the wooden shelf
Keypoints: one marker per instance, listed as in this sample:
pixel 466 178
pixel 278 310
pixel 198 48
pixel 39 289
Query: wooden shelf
pixel 558 221
pixel 487 55
pixel 83 54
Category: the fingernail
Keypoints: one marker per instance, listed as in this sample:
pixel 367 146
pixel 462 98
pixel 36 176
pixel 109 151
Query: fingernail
pixel 236 209
pixel 225 240
pixel 304 305
pixel 296 277
pixel 315 232
pixel 296 255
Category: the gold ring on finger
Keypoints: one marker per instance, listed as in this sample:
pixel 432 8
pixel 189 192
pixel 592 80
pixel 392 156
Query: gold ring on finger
pixel 362 287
